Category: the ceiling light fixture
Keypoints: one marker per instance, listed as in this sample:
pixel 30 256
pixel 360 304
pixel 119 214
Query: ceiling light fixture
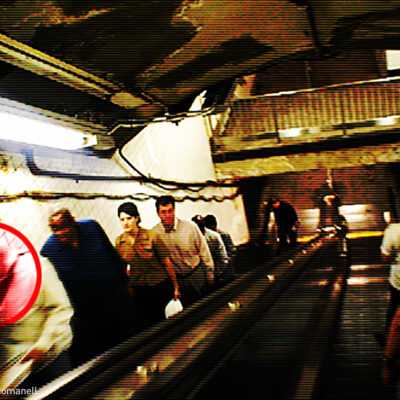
pixel 291 132
pixel 33 131
pixel 386 121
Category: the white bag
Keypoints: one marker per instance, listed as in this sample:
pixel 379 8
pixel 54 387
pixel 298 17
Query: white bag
pixel 173 307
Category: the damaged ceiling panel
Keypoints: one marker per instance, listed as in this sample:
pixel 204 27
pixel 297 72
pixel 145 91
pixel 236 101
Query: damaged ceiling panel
pixel 343 23
pixel 232 37
pixel 162 52
pixel 106 62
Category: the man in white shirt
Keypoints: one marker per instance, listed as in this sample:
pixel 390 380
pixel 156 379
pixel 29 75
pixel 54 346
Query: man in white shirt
pixel 210 222
pixel 216 247
pixel 187 250
pixel 36 345
pixel 390 249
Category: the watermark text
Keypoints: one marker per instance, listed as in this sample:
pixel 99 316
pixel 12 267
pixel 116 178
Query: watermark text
pixel 18 392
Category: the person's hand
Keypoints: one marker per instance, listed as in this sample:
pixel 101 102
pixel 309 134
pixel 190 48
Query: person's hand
pixel 38 357
pixel 177 293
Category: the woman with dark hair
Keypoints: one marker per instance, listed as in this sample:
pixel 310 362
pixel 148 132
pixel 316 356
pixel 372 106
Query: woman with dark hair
pixel 150 269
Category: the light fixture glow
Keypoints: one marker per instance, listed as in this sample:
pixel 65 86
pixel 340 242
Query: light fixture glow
pixel 386 121
pixel 33 131
pixel 292 132
pixel 393 59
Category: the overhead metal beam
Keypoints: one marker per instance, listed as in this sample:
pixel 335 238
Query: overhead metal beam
pixel 30 59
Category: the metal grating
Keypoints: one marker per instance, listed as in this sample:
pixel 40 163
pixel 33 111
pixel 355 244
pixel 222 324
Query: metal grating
pixel 336 110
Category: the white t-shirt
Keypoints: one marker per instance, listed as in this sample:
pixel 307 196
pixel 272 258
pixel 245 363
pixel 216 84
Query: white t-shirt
pixel 391 247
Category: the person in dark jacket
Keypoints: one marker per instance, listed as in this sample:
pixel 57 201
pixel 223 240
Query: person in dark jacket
pixel 287 222
pixel 95 280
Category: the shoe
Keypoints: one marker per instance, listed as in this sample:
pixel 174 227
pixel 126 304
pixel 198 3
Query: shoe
pixel 380 338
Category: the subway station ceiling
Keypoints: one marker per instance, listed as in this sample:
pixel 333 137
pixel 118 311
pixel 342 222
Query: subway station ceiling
pixel 106 62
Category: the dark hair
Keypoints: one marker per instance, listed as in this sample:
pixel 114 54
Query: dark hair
pixel 130 209
pixel 199 221
pixel 164 201
pixel 210 221
pixel 64 213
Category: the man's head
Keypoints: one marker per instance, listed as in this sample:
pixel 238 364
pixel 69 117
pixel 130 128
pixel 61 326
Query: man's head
pixel 199 221
pixel 275 203
pixel 328 199
pixel 63 225
pixel 211 222
pixel 165 206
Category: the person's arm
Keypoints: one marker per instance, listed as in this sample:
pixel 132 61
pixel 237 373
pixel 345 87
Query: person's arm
pixel 169 267
pixel 221 250
pixel 296 221
pixel 387 247
pixel 56 332
pixel 162 254
pixel 111 250
pixel 230 247
pixel 120 250
pixel 391 349
pixel 204 253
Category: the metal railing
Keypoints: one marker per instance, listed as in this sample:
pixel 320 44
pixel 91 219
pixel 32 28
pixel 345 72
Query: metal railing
pixel 171 358
pixel 311 114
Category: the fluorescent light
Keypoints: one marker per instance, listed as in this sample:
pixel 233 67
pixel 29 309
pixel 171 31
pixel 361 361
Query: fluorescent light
pixel 292 132
pixel 386 121
pixel 393 59
pixel 33 131
pixel 354 209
